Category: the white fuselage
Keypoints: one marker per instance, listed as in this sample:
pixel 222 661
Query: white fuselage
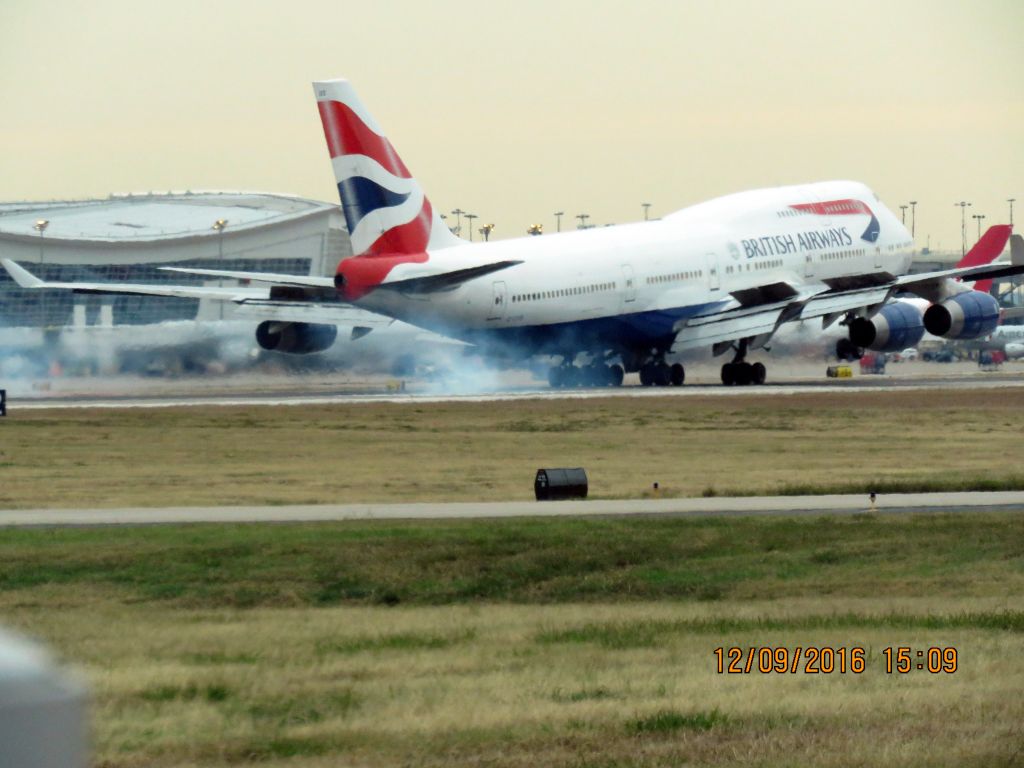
pixel 659 270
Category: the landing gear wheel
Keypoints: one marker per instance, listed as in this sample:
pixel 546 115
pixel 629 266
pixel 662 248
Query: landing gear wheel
pixel 662 374
pixel 677 375
pixel 847 350
pixel 758 373
pixel 729 374
pixel 742 374
pixel 647 375
pixel 616 374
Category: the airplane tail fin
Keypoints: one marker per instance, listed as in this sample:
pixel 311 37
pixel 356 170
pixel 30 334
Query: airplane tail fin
pixel 986 250
pixel 385 208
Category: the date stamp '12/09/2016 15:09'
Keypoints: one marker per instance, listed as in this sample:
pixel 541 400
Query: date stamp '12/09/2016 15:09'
pixel 817 660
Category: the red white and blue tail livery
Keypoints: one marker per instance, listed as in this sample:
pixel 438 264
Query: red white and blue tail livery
pixel 389 219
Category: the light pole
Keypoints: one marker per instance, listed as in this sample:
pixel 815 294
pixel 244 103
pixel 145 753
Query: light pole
pixel 40 227
pixel 470 216
pixel 1011 201
pixel 646 207
pixel 963 225
pixel 458 221
pixel 978 217
pixel 219 226
pixel 913 218
pixel 583 220
pixel 903 214
pixel 486 230
pixel 558 220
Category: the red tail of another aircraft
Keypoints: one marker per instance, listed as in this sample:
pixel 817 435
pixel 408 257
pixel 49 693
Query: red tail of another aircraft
pixel 986 250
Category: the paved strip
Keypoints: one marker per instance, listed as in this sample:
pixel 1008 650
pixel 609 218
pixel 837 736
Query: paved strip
pixel 427 395
pixel 704 507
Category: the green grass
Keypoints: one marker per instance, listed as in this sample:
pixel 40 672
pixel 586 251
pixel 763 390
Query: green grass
pixel 667 721
pixel 650 634
pixel 524 561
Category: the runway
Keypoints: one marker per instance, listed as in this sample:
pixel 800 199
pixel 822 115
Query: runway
pixel 897 503
pixel 425 394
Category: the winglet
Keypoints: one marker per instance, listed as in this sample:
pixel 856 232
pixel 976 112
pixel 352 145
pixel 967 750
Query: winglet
pixel 21 276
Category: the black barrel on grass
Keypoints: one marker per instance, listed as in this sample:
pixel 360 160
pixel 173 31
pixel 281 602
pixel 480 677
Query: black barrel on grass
pixel 560 483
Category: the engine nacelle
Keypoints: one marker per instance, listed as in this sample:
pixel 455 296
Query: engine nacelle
pixel 895 327
pixel 968 315
pixel 295 338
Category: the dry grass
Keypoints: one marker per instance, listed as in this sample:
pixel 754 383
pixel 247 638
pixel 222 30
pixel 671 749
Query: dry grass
pixel 480 685
pixel 489 451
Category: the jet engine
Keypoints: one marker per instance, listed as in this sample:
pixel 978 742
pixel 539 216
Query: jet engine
pixel 295 338
pixel 895 327
pixel 968 315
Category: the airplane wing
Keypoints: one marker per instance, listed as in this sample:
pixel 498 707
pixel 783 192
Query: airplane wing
pixel 274 278
pixel 26 279
pixel 288 303
pixel 760 320
pixel 425 284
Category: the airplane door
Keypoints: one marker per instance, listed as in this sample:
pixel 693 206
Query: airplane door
pixel 878 256
pixel 499 301
pixel 711 260
pixel 809 265
pixel 628 284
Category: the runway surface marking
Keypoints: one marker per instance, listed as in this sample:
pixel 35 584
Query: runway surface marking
pixel 850 504
pixel 15 404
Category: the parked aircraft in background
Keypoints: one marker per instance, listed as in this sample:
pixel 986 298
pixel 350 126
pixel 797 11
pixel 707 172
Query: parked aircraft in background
pixel 724 274
pixel 1008 338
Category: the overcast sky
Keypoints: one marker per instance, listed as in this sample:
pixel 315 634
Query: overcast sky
pixel 516 110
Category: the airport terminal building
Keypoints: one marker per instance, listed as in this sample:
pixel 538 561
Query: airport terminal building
pixel 128 237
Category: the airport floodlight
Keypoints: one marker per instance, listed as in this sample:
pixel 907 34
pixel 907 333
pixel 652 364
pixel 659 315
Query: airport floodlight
pixel 903 214
pixel 219 225
pixel 583 220
pixel 486 230
pixel 470 216
pixel 647 208
pixel 41 225
pixel 535 229
pixel 913 218
pixel 558 220
pixel 457 213
pixel 1011 201
pixel 978 217
pixel 964 205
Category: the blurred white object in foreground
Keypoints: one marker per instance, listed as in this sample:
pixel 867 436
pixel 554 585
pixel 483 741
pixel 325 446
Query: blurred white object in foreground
pixel 42 709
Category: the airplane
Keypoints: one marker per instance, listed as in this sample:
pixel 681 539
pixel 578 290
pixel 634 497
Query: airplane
pixel 1008 338
pixel 725 274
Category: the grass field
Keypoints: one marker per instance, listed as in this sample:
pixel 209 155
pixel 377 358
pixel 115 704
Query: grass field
pixel 859 441
pixel 532 642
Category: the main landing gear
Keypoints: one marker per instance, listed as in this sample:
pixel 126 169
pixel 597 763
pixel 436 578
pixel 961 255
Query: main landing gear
pixel 740 373
pixel 593 375
pixel 658 373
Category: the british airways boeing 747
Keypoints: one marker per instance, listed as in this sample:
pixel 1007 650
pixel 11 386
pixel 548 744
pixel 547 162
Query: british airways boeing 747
pixel 724 274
